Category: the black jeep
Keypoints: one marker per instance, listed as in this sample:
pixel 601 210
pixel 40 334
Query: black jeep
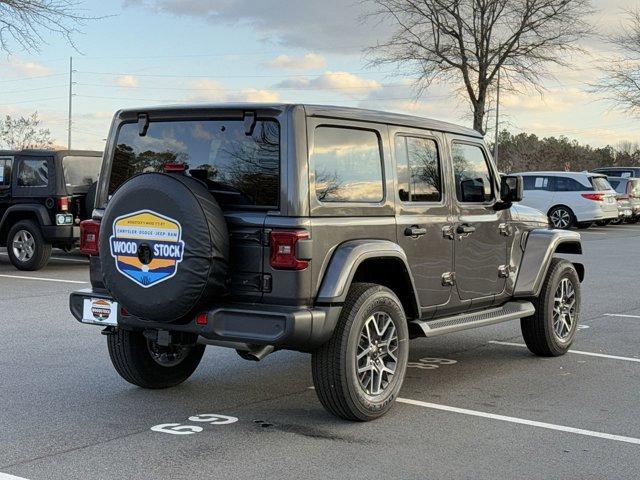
pixel 334 231
pixel 44 195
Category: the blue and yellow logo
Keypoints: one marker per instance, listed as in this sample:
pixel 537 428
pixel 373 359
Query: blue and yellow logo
pixel 147 247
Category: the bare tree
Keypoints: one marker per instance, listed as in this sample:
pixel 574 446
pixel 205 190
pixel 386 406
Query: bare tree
pixel 24 132
pixel 621 75
pixel 466 42
pixel 25 22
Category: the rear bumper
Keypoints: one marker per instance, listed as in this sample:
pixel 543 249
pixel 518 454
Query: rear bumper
pixel 290 328
pixel 57 233
pixel 596 211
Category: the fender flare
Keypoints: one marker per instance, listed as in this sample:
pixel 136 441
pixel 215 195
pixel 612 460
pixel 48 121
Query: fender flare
pixel 541 245
pixel 40 212
pixel 345 262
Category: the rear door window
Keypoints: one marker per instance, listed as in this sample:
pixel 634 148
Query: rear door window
pixel 474 182
pixel 33 173
pixel 347 165
pixel 418 168
pixel 567 184
pixel 241 170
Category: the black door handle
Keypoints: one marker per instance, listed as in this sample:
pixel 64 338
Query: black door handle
pixel 465 229
pixel 415 231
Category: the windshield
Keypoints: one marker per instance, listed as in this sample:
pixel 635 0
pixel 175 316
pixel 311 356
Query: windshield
pixel 239 169
pixel 600 184
pixel 80 172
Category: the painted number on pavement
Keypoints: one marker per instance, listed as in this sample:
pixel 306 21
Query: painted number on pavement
pixel 205 418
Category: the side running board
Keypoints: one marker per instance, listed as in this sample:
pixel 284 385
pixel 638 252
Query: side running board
pixel 509 311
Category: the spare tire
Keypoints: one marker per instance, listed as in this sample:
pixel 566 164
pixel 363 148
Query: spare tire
pixel 164 247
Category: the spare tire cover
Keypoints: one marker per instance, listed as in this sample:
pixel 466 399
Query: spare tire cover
pixel 164 247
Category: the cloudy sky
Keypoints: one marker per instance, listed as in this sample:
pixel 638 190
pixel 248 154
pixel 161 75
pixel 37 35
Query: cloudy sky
pixel 147 52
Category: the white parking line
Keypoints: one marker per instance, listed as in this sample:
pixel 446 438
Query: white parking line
pixel 521 421
pixel 578 352
pixel 6 476
pixel 42 279
pixel 61 259
pixel 621 315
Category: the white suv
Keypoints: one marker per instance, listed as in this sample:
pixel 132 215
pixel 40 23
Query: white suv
pixel 570 198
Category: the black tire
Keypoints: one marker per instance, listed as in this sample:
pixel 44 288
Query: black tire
pixel 334 365
pixel 633 220
pixel 41 249
pixel 603 223
pixel 538 329
pixel 583 225
pixel 617 221
pixel 131 356
pixel 561 212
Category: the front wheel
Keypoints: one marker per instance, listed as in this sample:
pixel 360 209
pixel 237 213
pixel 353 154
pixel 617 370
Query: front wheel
pixel 358 373
pixel 550 331
pixel 26 246
pixel 146 364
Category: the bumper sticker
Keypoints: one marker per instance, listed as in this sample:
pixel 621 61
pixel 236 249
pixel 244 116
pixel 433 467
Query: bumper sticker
pixel 147 247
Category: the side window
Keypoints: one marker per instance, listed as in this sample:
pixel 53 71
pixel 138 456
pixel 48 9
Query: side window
pixel 5 172
pixel 348 165
pixel 565 184
pixel 418 168
pixel 474 182
pixel 541 183
pixel 33 173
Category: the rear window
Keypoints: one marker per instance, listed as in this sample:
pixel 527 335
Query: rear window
pixel 80 172
pixel 239 169
pixel 600 183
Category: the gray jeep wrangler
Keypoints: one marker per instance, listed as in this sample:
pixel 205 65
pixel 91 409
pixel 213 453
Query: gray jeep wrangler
pixel 334 231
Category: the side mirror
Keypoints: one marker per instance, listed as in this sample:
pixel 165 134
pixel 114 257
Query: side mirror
pixel 511 188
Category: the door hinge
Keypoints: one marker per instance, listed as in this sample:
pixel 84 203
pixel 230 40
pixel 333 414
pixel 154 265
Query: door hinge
pixel 448 279
pixel 448 232
pixel 505 229
pixel 504 271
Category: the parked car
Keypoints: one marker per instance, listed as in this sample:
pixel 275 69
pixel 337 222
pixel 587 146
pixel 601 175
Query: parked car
pixel 44 195
pixel 628 190
pixel 625 172
pixel 334 231
pixel 570 199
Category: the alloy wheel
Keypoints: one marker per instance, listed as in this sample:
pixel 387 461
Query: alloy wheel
pixel 23 245
pixel 564 310
pixel 376 360
pixel 560 218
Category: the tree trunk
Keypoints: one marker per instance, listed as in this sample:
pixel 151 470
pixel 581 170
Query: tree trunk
pixel 478 117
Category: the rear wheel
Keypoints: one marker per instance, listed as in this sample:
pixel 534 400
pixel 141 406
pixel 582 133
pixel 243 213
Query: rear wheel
pixel 26 246
pixel 551 330
pixel 359 371
pixel 633 220
pixel 616 221
pixel 146 364
pixel 561 217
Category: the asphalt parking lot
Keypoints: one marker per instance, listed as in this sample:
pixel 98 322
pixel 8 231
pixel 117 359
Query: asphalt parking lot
pixel 474 404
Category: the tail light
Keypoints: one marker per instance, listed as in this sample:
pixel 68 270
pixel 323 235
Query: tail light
pixel 283 249
pixel 598 197
pixel 174 167
pixel 63 204
pixel 90 237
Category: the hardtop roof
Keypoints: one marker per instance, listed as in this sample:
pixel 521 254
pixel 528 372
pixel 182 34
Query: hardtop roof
pixel 328 111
